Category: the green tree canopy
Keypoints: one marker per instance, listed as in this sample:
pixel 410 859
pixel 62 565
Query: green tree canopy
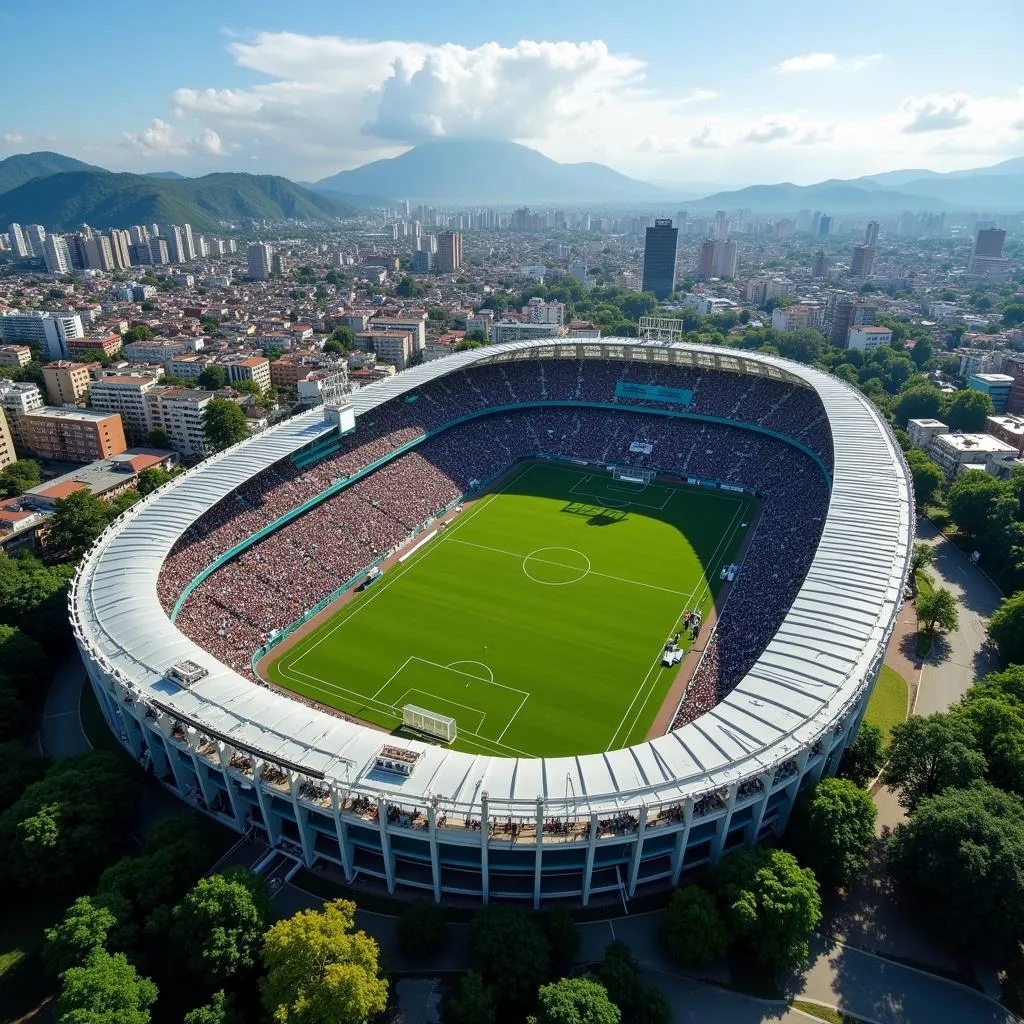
pixel 921 556
pixel 421 929
pixel 106 989
pixel 510 951
pixel 930 754
pixel 967 410
pixel 213 378
pixel 84 927
pixel 65 826
pixel 224 424
pixel 216 1011
pixel 219 925
pixel 692 927
pixel 76 522
pixel 863 758
pixel 158 437
pixel 141 333
pixel 832 830
pixel 18 477
pixel 563 937
pixel 471 1001
pixel 150 479
pixel 320 971
pixel 575 1001
pixel 927 476
pixel 23 765
pixel 23 662
pixel 938 608
pixel 770 902
pixel 617 973
pixel 1006 629
pixel 972 500
pixel 962 852
pixel 921 402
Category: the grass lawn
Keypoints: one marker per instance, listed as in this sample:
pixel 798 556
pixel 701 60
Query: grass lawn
pixel 23 982
pixel 537 619
pixel 888 704
pixel 832 1015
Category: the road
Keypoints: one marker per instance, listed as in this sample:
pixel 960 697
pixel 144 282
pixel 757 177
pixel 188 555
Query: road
pixel 60 732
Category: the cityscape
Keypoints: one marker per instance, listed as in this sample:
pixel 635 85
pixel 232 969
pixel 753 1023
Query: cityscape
pixel 501 523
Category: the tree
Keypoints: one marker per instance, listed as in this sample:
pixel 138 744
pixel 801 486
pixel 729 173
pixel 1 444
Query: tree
pixel 652 1006
pixel 105 990
pixel 1006 629
pixel 510 951
pixel 421 929
pixel 248 387
pixel 213 378
pixel 575 1001
pixel 863 759
pixel 141 333
pixel 224 424
pixel 971 501
pixel 33 597
pixel 938 608
pixel 921 402
pixel 967 410
pixel 345 337
pixel 617 973
pixel 122 502
pixel 84 928
pixel 22 660
pixel 22 767
pixel 921 556
pixel 150 479
pixel 930 754
pixel 962 853
pixel 320 971
pixel 219 925
pixel 216 1011
pixel 770 902
pixel 64 827
pixel 832 830
pixel 76 522
pixel 692 928
pixel 158 437
pixel 563 938
pixel 471 1001
pixel 927 476
pixel 18 477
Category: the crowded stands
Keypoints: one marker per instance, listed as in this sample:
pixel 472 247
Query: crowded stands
pixel 275 581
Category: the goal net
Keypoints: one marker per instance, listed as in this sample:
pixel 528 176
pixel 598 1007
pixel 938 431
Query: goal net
pixel 428 722
pixel 632 474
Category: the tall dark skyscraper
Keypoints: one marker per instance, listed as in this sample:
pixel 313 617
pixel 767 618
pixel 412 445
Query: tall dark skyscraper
pixel 660 258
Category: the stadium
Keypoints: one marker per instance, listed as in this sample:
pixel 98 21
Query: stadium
pixel 542 621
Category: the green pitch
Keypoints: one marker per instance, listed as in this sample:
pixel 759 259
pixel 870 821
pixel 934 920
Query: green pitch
pixel 536 619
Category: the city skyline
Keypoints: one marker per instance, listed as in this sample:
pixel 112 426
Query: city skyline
pixel 792 93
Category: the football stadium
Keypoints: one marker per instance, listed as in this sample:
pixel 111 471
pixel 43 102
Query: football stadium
pixel 548 620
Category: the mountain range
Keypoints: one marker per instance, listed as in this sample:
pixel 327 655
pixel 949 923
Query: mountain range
pixel 488 171
pixel 64 198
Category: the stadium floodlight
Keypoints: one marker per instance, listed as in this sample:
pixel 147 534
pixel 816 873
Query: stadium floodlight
pixel 429 723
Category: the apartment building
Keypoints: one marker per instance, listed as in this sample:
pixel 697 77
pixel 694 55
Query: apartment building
pixel 179 412
pixel 415 322
pixel 17 401
pixel 394 347
pixel 255 368
pixel 126 395
pixel 67 383
pixel 105 344
pixel 75 435
pixel 52 332
pixel 15 356
pixel 7 454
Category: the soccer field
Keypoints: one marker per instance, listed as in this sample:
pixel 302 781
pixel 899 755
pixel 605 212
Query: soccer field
pixel 536 619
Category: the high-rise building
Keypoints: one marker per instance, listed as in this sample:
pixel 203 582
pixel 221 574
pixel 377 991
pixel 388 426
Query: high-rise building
pixel 871 233
pixel 67 383
pixel 261 260
pixel 119 247
pixel 76 250
pixel 158 254
pixel 824 225
pixel 862 261
pixel 721 225
pixel 987 259
pixel 50 331
pixel 56 254
pixel 7 454
pixel 98 253
pixel 139 234
pixel 124 394
pixel 174 237
pixel 989 242
pixel 18 400
pixel 726 255
pixel 819 265
pixel 681 221
pixel 188 243
pixel 74 435
pixel 660 258
pixel 19 246
pixel 706 260
pixel 35 235
pixel 449 252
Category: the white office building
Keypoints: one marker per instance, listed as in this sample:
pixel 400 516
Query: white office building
pixel 261 261
pixel 50 331
pixel 56 254
pixel 124 394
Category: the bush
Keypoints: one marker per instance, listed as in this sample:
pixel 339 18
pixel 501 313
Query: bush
pixel 692 928
pixel 421 930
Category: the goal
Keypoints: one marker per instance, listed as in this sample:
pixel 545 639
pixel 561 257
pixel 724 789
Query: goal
pixel 428 722
pixel 632 474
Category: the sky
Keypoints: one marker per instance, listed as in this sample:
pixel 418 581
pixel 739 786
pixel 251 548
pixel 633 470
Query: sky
pixel 672 91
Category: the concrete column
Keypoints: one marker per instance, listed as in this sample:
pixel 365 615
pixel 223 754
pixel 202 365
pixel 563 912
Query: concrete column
pixel 634 864
pixel 682 837
pixel 485 828
pixel 342 829
pixel 539 851
pixel 301 820
pixel 385 842
pixel 588 871
pixel 435 863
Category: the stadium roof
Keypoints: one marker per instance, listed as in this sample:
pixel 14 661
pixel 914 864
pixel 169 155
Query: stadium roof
pixel 805 682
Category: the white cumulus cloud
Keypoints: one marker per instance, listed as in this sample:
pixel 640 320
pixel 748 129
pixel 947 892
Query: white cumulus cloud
pixel 825 62
pixel 936 113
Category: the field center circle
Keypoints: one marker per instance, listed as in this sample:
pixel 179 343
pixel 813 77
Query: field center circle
pixel 556 567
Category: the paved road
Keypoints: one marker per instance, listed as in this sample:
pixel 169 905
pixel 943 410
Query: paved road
pixel 959 659
pixel 60 732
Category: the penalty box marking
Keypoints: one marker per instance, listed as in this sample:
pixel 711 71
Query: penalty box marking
pixel 602 497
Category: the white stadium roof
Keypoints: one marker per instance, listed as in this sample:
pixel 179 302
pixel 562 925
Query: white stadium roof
pixel 809 676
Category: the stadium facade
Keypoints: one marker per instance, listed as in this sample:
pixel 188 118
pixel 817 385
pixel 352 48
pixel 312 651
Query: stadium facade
pixel 425 818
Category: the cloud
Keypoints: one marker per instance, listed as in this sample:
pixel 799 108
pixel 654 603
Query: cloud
pixel 13 137
pixel 163 139
pixel 825 62
pixel 699 96
pixel 708 138
pixel 935 113
pixel 208 141
pixel 789 128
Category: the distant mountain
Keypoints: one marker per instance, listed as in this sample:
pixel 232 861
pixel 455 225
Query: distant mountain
pixel 105 199
pixel 22 167
pixel 165 175
pixel 981 191
pixel 827 196
pixel 893 179
pixel 488 171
